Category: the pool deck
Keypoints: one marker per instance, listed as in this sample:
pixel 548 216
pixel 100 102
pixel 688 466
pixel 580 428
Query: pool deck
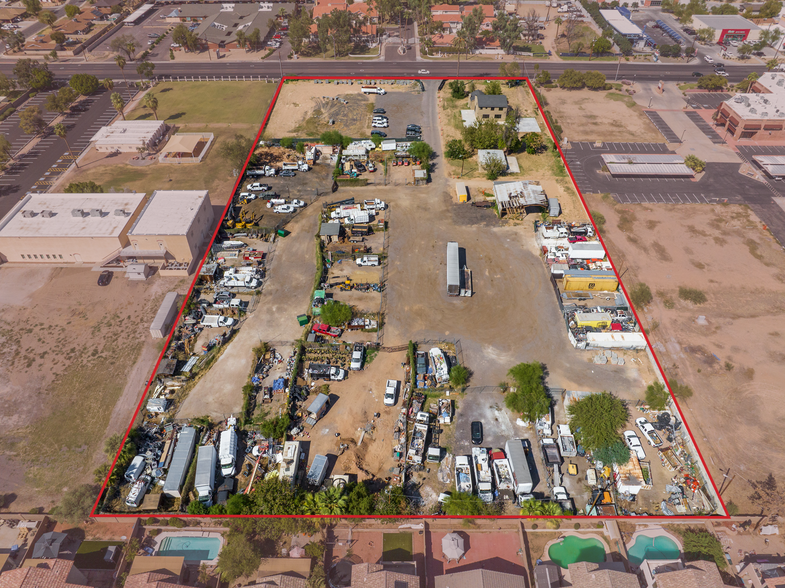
pixel 197 534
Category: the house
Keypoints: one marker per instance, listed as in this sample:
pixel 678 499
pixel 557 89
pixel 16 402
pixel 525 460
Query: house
pixel 75 27
pixel 166 570
pixel 480 579
pixel 487 106
pixel 53 573
pixel 107 3
pixel 605 575
pixel 280 581
pixel 283 572
pixel 696 574
pixel 451 16
pixel 367 575
pixel 8 14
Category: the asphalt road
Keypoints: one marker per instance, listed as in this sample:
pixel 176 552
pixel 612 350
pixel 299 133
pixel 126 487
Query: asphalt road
pixel 367 69
pixel 37 169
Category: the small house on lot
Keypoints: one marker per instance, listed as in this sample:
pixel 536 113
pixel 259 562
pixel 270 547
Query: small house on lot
pixel 420 177
pixel 75 27
pixel 487 106
pixel 317 409
pixel 157 405
pixel 330 232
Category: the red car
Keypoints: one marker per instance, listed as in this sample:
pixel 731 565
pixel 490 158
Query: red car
pixel 576 238
pixel 323 329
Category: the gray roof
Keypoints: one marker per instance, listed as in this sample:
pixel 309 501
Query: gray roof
pixel 726 21
pixel 221 26
pixel 48 546
pixel 181 461
pixel 546 576
pixel 318 403
pixel 480 579
pixel 488 101
pixel 330 229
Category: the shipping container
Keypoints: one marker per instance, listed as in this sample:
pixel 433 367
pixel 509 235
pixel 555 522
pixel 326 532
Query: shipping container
pixel 162 322
pixel 183 452
pixel 453 273
pixel 462 191
pixel 590 283
pixel 318 470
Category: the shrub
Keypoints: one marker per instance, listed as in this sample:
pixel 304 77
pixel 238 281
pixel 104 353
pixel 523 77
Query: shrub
pixel 692 295
pixel 695 164
pixel 459 375
pixel 599 220
pixel 336 313
pixel 732 508
pixel 287 142
pixel 640 295
pixel 681 391
pixel 177 523
pixel 657 396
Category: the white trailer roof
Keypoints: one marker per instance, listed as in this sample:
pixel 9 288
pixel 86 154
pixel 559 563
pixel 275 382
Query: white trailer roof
pixel 181 460
pixel 205 467
pixel 587 250
pixel 453 273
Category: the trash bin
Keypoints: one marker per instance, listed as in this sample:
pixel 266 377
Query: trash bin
pixel 302 319
pixel 281 233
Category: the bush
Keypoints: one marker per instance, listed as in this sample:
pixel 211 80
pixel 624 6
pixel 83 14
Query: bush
pixel 459 375
pixel 336 313
pixel 287 142
pixel 352 181
pixel 695 164
pixel 599 220
pixel 640 295
pixel 600 417
pixel 732 508
pixel 699 544
pixel 494 166
pixel 680 391
pixel 657 396
pixel 616 452
pixel 458 89
pixel 177 523
pixel 275 428
pixel 692 295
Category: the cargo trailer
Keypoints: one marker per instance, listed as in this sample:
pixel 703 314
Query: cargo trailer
pixel 204 483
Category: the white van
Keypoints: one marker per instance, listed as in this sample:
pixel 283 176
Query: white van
pixel 368 260
pixel 373 90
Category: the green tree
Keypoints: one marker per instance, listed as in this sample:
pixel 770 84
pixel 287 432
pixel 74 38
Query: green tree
pixel 274 496
pixel 494 166
pixel 594 80
pixel 61 100
pixel 421 150
pixel 483 134
pixel 5 151
pixel 530 399
pixel 71 10
pixel 254 39
pixel 151 101
pixel 47 17
pixel 58 36
pixel 493 88
pixel 31 120
pixel 331 501
pixel 463 504
pixel 120 62
pixel 617 452
pixel 571 79
pixel 235 151
pixel 336 313
pixel 559 21
pixel 534 143
pixel 657 396
pixel 197 507
pixel 299 29
pixel 695 164
pixel 766 494
pixel 543 77
pixel 507 29
pixel 146 69
pixel 699 544
pixel 359 500
pixel 459 375
pixel 89 187
pixel 705 35
pixel 108 83
pixel 601 45
pixel 112 445
pixel 275 428
pixel 33 7
pixel 332 138
pixel 745 50
pixel 239 556
pixel 534 507
pixel 456 150
pixel 287 142
pixel 118 103
pixel 76 504
pixel 124 44
pixel 724 9
pixel 392 501
pixel 33 75
pixel 7 84
pixel 600 417
pixel 680 391
pixel 770 9
pixel 771 64
pixel 458 89
pixel 640 295
pixel 61 131
pixel 712 82
pixel 83 84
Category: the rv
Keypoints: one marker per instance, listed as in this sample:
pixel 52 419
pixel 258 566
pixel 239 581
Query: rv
pixel 136 469
pixel 567 446
pixel 138 490
pixel 463 474
pixel 228 448
pixel 419 437
pixel 482 468
pixel 290 462
pixel 516 455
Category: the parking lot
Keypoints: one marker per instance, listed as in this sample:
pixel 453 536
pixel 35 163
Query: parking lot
pixel 709 100
pixel 152 25
pixel 705 127
pixel 403 108
pixel 662 126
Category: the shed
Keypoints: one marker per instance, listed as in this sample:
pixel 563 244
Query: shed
pixel 181 461
pixel 483 155
pixel 388 145
pixel 554 209
pixel 157 405
pixel 162 322
pixel 318 470
pixel 138 271
pixel 208 272
pixel 587 250
pixel 462 191
pixel 420 177
pixel 317 409
pixel 453 269
pixel 330 232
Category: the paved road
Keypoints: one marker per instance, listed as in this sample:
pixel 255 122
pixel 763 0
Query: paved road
pixel 37 169
pixel 401 66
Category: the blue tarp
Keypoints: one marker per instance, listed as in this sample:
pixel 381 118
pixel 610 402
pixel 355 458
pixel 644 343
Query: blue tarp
pixel 278 384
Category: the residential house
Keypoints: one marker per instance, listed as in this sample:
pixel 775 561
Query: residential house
pixel 168 569
pixel 605 575
pixel 8 14
pixel 364 14
pixel 399 575
pixel 696 574
pixel 480 579
pixel 764 575
pixel 451 16
pixel 107 3
pixel 487 106
pixel 53 573
pixel 74 27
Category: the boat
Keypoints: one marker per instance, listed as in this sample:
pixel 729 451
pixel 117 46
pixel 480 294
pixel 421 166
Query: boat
pixel 440 369
pixel 482 469
pixel 463 474
pixel 228 448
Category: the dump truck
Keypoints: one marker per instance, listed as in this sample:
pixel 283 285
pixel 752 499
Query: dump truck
pixel 516 455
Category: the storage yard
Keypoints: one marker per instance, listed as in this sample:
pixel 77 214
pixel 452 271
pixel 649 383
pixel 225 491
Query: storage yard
pixel 384 367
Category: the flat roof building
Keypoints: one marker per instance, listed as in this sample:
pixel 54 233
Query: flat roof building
pixel 755 115
pixel 67 228
pixel 621 24
pixel 128 135
pixel 643 164
pixel 727 27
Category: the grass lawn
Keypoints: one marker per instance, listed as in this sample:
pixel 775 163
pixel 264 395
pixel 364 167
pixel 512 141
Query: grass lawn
pixel 90 555
pixel 397 547
pixel 213 174
pixel 628 100
pixel 209 102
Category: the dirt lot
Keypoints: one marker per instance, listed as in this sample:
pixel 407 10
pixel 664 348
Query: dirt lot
pixel 303 109
pixel 585 114
pixel 75 358
pixel 733 363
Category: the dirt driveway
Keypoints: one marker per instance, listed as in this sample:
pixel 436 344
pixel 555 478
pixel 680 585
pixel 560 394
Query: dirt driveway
pixel 75 357
pixel 733 360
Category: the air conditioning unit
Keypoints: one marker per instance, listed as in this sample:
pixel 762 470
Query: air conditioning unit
pixel 120 212
pixel 77 212
pixel 28 213
pixel 96 212
pixel 47 213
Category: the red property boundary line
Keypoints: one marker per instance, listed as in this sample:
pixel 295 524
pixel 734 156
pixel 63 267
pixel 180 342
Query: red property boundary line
pixel 93 513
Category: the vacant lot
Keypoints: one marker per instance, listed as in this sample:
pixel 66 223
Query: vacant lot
pixel 733 359
pixel 587 115
pixel 304 109
pixel 75 358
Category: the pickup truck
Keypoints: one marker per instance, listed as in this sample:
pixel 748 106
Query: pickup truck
pixel 320 371
pixel 370 260
pixel 323 329
pixel 358 354
pixel 214 320
pixel 391 392
pixel 632 441
pixel 648 432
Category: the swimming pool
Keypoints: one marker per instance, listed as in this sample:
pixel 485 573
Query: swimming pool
pixel 573 549
pixel 191 548
pixel 659 547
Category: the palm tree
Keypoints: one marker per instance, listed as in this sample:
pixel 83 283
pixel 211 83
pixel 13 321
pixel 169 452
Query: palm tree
pixel 552 509
pixel 151 102
pixel 118 103
pixel 120 61
pixel 309 505
pixel 332 501
pixel 559 21
pixel 61 131
pixel 282 12
pixel 460 43
pixel 532 508
pixel 108 83
pixel 5 151
pixel 427 44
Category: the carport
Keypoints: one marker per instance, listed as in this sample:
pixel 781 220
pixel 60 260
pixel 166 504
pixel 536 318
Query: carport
pixel 650 165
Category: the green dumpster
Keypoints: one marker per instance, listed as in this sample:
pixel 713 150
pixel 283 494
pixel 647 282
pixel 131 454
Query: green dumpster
pixel 281 233
pixel 302 319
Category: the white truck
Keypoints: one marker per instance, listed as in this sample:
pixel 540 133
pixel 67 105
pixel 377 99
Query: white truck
pixel 567 446
pixel 555 232
pixel 346 211
pixel 204 483
pixel 649 433
pixel 391 392
pixel 295 166
pixel 463 474
pixel 228 448
pixel 239 281
pixel 374 204
pixel 370 260
pixel 502 473
pixel 373 90
pixel 516 455
pixel 214 320
pixel 482 468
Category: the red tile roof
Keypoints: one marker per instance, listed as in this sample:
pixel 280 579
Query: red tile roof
pixel 51 574
pixel 152 580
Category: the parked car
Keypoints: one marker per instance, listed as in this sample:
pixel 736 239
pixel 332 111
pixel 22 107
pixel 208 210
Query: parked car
pixel 379 133
pixel 298 203
pixel 359 167
pixel 413 127
pixel 287 173
pixel 379 111
pixel 391 392
pixel 284 209
pixel 257 187
pixel 632 441
pixel 476 429
pixel 708 59
pixel 105 278
pixel 380 125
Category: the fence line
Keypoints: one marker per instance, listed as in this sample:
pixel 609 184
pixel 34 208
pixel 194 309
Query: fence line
pixel 227 78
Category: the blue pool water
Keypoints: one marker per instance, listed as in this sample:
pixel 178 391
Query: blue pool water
pixel 659 547
pixel 191 548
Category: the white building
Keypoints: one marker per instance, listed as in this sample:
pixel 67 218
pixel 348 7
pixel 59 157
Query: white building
pixel 129 135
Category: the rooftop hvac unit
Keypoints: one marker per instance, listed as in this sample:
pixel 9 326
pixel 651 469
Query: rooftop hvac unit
pixel 47 213
pixel 28 213
pixel 96 212
pixel 781 82
pixel 753 111
pixel 119 212
pixel 77 212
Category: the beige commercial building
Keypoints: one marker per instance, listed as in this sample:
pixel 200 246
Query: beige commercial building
pixel 129 135
pixel 67 228
pixel 172 231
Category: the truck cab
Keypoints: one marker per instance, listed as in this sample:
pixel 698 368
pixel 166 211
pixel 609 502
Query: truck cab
pixel 358 354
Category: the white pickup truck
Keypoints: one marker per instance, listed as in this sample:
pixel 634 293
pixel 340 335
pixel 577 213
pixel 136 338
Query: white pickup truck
pixel 648 432
pixel 368 260
pixel 391 392
pixel 214 320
